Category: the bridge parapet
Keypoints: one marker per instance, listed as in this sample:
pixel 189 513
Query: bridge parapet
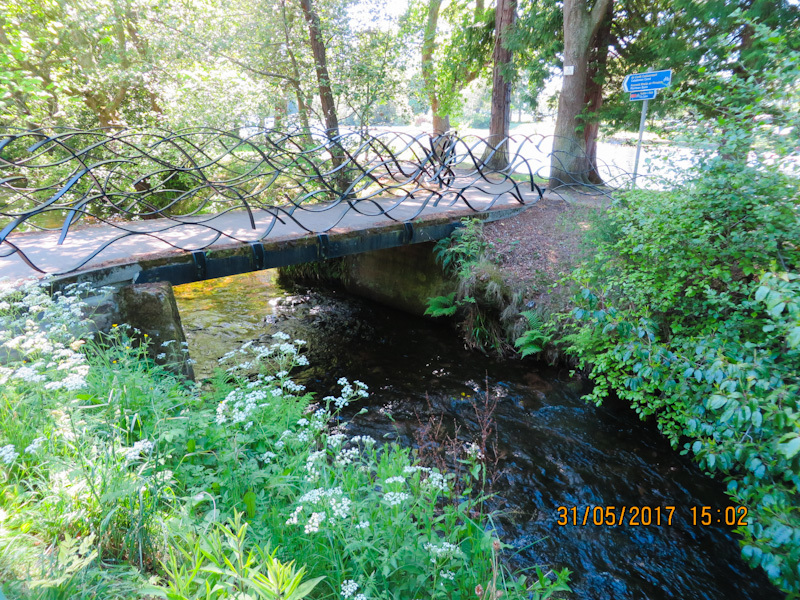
pixel 73 201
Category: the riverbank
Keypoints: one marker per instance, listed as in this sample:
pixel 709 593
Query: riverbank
pixel 536 248
pixel 684 305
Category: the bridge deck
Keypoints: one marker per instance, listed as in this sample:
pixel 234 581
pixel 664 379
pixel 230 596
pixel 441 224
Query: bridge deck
pixel 177 249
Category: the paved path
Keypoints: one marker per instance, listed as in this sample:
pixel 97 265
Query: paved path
pixel 129 242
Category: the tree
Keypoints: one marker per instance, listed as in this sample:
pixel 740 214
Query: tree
pixel 581 24
pixel 451 64
pixel 496 155
pixel 64 60
pixel 321 68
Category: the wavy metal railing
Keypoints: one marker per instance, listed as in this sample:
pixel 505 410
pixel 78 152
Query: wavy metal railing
pixel 154 182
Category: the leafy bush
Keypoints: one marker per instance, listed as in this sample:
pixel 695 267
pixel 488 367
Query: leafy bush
pixel 693 316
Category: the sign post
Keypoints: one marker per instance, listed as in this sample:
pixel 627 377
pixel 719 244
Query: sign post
pixel 643 86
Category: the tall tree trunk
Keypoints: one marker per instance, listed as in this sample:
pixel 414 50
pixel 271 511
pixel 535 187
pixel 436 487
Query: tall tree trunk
pixel 321 65
pixel 441 122
pixel 505 14
pixel 325 92
pixel 569 164
pixel 302 107
pixel 598 68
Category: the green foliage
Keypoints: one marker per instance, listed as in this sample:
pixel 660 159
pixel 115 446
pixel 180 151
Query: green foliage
pixel 690 312
pixel 536 336
pixel 442 306
pixel 217 565
pixel 484 304
pixel 113 472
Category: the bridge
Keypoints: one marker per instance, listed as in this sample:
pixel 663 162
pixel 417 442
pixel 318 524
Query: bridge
pixel 113 206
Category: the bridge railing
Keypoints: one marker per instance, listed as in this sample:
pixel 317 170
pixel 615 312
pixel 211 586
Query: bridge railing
pixel 62 179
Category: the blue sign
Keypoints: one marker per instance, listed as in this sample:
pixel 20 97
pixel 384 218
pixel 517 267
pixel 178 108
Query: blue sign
pixel 646 95
pixel 643 82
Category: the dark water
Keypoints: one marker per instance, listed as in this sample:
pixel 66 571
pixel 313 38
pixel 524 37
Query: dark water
pixel 556 450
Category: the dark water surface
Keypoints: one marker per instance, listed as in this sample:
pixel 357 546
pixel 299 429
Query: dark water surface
pixel 556 449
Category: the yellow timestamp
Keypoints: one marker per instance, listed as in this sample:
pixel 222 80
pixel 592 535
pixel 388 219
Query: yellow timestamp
pixel 633 516
pixel 732 516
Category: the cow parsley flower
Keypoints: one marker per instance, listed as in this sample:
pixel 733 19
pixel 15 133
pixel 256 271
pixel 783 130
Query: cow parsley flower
pixel 8 454
pixel 141 447
pixel 395 498
pixel 292 520
pixel 314 522
pixel 349 587
pixel 34 445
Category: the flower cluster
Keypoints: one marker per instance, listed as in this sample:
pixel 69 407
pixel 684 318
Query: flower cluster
pixel 34 446
pixel 141 447
pixel 350 587
pixel 8 454
pixel 41 332
pixel 282 354
pixel 348 394
pixel 442 551
pixel 395 498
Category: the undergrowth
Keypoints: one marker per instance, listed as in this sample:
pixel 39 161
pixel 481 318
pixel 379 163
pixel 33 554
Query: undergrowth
pixel 120 480
pixel 484 305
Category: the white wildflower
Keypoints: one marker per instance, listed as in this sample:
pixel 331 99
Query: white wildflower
pixel 396 479
pixel 341 507
pixel 314 522
pixel 436 481
pixel 395 498
pixel 362 525
pixel 410 470
pixel 349 587
pixel 139 448
pixel 8 454
pixel 347 456
pixel 292 520
pixel 445 550
pixel 34 445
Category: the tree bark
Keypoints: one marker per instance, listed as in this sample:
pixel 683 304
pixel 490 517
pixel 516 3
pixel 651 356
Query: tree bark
pixel 505 14
pixel 598 66
pixel 325 92
pixel 569 164
pixel 321 65
pixel 441 122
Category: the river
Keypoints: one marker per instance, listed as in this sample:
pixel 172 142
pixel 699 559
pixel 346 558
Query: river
pixel 555 449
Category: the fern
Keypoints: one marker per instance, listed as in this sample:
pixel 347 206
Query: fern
pixel 535 338
pixel 442 306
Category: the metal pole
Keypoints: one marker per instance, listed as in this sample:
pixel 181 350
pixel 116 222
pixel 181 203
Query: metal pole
pixel 639 145
pixel 641 133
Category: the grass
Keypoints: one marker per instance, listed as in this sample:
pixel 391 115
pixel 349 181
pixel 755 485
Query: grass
pixel 120 480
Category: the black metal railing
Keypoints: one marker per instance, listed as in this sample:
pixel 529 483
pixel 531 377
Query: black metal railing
pixel 63 179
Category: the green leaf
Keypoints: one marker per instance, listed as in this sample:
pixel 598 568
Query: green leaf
pixel 761 293
pixel 791 448
pixel 793 339
pixel 716 402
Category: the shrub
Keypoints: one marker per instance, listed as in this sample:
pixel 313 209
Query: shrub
pixel 693 316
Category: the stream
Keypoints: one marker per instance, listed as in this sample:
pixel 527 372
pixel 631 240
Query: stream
pixel 555 449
